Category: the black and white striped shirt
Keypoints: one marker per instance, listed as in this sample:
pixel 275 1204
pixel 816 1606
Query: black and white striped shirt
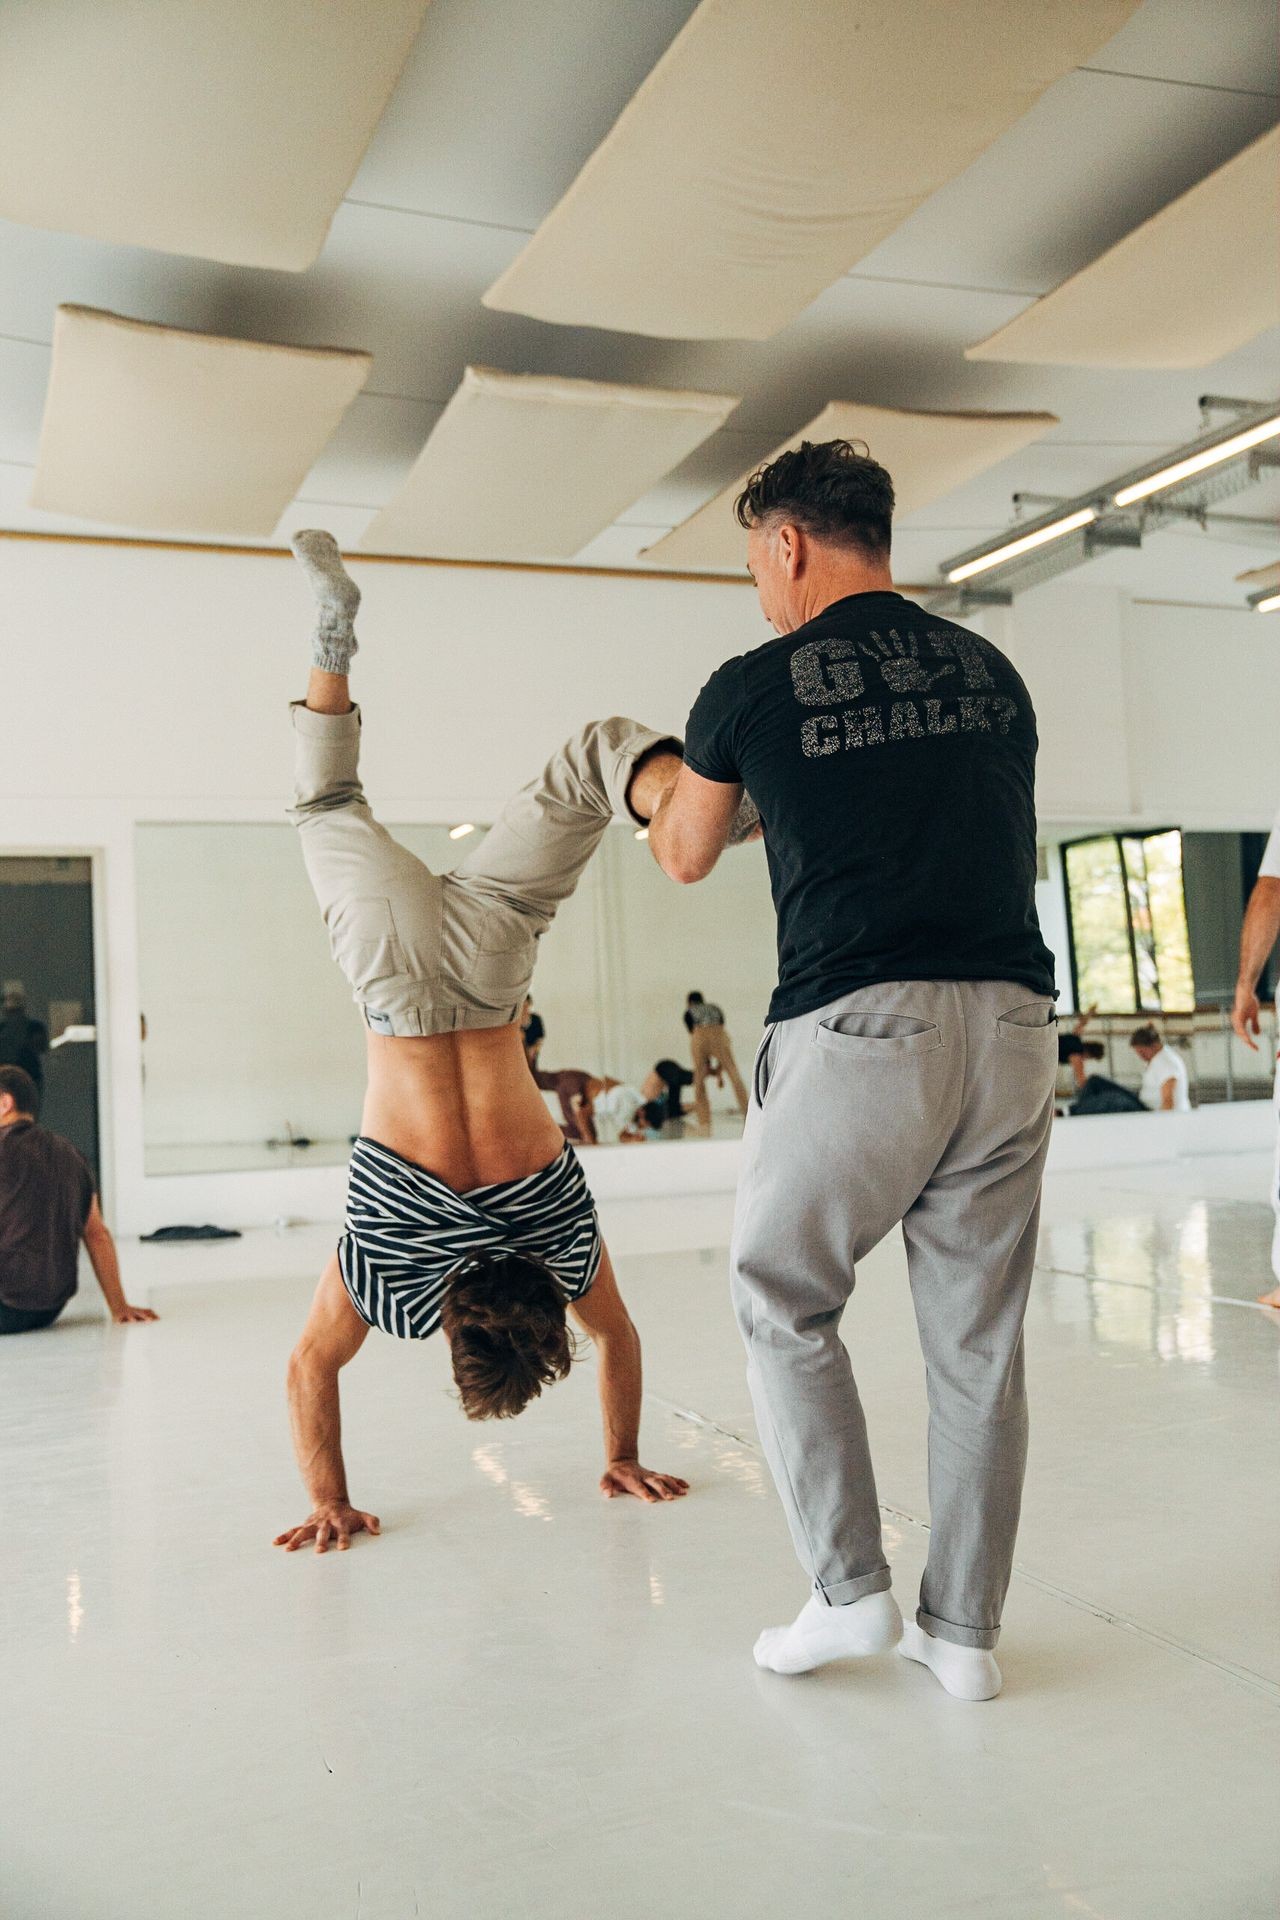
pixel 408 1233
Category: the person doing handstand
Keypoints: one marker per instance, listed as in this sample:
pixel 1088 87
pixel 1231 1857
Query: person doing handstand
pixel 466 1209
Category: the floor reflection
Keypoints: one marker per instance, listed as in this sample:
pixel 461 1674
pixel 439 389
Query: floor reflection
pixel 1157 1277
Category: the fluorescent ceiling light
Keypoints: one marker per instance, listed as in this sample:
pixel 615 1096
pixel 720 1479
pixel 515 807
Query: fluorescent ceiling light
pixel 1269 603
pixel 461 832
pixel 1027 543
pixel 1198 462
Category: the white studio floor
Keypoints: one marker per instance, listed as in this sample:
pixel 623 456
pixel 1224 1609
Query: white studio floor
pixel 523 1700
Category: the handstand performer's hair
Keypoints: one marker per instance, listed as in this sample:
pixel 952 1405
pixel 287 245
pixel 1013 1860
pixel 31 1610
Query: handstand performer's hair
pixel 505 1319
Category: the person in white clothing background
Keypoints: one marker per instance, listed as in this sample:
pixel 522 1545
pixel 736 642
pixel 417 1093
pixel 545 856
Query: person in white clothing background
pixel 1164 1083
pixel 1258 937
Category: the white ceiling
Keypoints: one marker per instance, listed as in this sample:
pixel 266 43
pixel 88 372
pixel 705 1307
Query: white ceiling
pixel 498 108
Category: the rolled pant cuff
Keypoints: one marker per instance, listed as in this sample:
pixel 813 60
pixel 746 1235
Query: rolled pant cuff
pixel 984 1637
pixel 842 1593
pixel 323 726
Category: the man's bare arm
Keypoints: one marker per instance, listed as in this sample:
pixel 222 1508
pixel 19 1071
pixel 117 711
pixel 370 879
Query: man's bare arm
pixel 602 1314
pixel 690 829
pixel 101 1249
pixel 1257 938
pixel 333 1335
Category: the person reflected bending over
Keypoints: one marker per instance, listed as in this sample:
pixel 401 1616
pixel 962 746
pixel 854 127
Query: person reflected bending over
pixel 713 1054
pixel 466 1210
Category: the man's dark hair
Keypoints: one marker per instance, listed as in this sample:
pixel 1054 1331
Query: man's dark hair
pixel 655 1115
pixel 1069 1045
pixel 695 1000
pixel 1145 1037
pixel 22 1088
pixel 1093 1050
pixel 830 489
pixel 504 1317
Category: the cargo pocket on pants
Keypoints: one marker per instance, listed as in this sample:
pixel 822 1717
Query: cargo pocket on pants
pixel 364 942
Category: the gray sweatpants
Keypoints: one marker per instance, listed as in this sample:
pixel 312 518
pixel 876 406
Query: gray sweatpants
pixel 926 1103
pixel 425 952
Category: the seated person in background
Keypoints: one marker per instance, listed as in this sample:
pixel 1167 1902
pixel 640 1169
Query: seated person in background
pixel 1164 1083
pixel 1095 1092
pixel 532 1033
pixel 47 1207
pixel 664 1085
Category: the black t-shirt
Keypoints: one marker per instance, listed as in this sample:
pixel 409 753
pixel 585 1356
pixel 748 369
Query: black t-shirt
pixel 46 1191
pixel 892 756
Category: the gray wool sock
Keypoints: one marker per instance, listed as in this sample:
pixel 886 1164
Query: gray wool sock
pixel 745 821
pixel 337 598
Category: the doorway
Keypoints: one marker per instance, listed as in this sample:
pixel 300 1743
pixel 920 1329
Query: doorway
pixel 48 1023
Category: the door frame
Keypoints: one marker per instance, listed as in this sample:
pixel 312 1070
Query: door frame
pixel 96 856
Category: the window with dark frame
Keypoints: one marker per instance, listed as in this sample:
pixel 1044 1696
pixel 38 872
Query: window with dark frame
pixel 1127 922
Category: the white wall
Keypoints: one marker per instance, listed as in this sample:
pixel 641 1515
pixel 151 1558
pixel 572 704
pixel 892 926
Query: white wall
pixel 147 685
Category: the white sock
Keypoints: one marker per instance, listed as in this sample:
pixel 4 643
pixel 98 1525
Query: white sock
pixel 337 599
pixel 969 1673
pixel 820 1633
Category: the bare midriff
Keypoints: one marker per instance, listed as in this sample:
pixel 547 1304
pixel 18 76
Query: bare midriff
pixel 463 1105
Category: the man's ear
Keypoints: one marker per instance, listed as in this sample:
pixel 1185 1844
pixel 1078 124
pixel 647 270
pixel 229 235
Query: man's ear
pixel 791 550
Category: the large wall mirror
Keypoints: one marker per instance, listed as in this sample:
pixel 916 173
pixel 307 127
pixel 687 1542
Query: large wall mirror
pixel 254 1055
pixel 1149 936
pixel 252 1046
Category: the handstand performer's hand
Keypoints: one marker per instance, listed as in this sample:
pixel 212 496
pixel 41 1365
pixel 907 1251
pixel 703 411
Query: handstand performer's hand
pixel 628 1476
pixel 331 1525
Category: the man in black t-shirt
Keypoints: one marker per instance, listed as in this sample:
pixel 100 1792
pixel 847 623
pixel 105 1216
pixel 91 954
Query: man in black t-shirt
pixel 907 1070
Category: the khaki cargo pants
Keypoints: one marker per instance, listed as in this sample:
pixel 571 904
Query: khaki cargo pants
pixel 425 952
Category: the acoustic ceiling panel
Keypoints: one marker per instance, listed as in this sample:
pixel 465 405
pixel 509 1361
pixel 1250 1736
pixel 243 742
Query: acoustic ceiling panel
pixel 522 467
pixel 148 427
pixel 928 455
pixel 230 131
pixel 1197 280
pixel 771 148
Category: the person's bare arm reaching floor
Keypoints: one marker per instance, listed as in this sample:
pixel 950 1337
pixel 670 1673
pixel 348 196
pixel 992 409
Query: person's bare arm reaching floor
pixel 603 1315
pixel 101 1249
pixel 333 1335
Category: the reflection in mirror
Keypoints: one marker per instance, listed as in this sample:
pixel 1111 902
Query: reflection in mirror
pixel 253 1053
pixel 1150 922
